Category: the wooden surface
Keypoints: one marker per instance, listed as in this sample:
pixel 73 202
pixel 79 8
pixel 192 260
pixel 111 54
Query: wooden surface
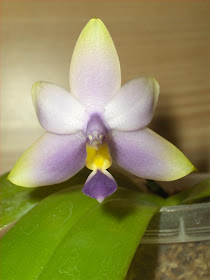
pixel 169 40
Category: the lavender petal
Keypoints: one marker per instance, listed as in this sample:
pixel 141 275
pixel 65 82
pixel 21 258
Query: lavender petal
pixel 51 159
pixel 146 154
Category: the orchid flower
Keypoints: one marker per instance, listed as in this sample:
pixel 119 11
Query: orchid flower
pixel 96 121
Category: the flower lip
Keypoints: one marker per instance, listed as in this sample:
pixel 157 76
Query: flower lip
pixel 100 185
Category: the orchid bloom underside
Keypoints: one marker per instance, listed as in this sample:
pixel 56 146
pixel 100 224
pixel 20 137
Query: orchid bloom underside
pixel 96 121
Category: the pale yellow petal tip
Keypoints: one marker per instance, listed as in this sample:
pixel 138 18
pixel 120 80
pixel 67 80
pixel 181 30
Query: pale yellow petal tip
pixel 35 88
pixel 194 169
pixel 11 178
pixel 95 20
pixel 18 182
pixel 95 25
pixel 15 177
pixel 191 169
pixel 155 85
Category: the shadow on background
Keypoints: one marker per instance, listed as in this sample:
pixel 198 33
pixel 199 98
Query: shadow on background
pixel 165 127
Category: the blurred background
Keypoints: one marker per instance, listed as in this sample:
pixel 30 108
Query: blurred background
pixel 169 40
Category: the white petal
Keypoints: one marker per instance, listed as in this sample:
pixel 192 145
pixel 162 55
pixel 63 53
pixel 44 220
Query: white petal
pixel 95 69
pixel 133 106
pixel 57 109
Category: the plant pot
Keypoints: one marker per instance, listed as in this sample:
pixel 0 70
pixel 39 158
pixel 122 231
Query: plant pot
pixel 175 245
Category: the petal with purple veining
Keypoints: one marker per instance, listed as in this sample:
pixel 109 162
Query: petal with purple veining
pixel 133 106
pixel 146 154
pixel 51 159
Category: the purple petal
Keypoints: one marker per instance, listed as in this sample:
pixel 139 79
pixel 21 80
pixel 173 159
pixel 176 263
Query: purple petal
pixel 57 109
pixel 100 185
pixel 95 69
pixel 133 106
pixel 146 154
pixel 51 159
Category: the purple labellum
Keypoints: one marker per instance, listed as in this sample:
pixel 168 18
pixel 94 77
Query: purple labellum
pixel 100 186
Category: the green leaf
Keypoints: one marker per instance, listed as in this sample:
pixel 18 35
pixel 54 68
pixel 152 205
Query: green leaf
pixel 199 192
pixel 71 236
pixel 16 201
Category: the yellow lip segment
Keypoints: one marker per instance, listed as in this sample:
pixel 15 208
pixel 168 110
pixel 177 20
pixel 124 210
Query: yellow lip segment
pixel 98 158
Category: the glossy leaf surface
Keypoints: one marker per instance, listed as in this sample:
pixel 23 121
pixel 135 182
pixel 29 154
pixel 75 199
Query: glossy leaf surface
pixel 71 236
